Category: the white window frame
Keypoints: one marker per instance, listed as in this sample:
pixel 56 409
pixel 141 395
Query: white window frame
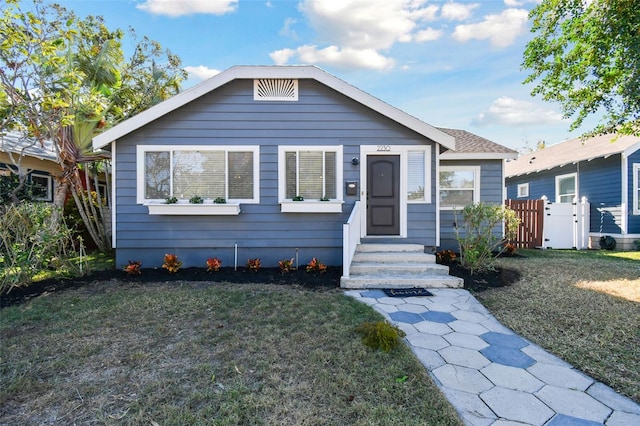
pixel 523 190
pixel 636 189
pixel 141 151
pixel 49 186
pixel 287 205
pixel 575 187
pixel 427 174
pixel 476 183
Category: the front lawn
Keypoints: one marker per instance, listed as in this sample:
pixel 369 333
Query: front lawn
pixel 199 353
pixel 583 306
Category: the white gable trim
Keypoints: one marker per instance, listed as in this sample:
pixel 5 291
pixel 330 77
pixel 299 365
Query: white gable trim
pixel 291 72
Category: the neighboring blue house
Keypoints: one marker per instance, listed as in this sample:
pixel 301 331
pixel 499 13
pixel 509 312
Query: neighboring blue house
pixel 603 169
pixel 262 138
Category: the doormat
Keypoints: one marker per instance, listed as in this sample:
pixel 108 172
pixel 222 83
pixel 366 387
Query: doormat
pixel 407 292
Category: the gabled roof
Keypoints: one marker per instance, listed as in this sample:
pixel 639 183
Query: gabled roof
pixel 15 142
pixel 472 146
pixel 570 152
pixel 279 72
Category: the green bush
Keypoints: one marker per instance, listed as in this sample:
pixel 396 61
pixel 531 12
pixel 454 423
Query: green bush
pixel 479 243
pixel 380 335
pixel 31 243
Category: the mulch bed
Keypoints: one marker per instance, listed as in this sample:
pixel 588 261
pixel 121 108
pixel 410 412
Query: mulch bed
pixel 476 282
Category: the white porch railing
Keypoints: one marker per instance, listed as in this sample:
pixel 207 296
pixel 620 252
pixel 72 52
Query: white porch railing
pixel 350 238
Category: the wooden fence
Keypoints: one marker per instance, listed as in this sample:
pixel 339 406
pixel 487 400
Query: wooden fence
pixel 531 215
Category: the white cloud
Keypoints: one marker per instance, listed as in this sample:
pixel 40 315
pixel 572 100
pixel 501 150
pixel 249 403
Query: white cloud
pixel 201 72
pixel 457 11
pixel 333 55
pixel 175 8
pixel 501 29
pixel 516 3
pixel 428 35
pixel 287 29
pixel 510 111
pixel 282 56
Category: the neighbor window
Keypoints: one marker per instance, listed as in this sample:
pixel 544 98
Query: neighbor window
pixel 208 172
pixel 636 189
pixel 459 186
pixel 42 187
pixel 566 188
pixel 523 190
pixel 313 173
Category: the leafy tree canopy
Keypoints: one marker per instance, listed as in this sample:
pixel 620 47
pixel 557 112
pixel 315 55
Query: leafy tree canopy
pixel 586 56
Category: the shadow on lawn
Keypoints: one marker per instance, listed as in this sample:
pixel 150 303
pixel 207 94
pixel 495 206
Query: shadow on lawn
pixel 319 282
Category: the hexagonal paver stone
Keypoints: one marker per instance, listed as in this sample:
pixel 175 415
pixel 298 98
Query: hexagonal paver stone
pixel 464 340
pixel 517 406
pixel 373 294
pixel 464 357
pixel 511 378
pixel 408 317
pixel 573 403
pixel 563 420
pixel 462 378
pixel 427 341
pixel 506 340
pixel 508 356
pixel 437 316
pixel 563 377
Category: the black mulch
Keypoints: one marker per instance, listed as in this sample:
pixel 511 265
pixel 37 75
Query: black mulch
pixel 321 282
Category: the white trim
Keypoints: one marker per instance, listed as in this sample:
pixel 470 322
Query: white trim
pixel 310 206
pixel 525 187
pixel 259 98
pixel 437 178
pixel 293 72
pixel 113 196
pixel 182 209
pixel 476 182
pixel 557 186
pixel 452 155
pixel 624 196
pixel 49 186
pixel 426 178
pixel 140 166
pixel 636 187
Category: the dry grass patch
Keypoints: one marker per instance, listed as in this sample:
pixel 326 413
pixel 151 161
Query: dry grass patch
pixel 626 289
pixel 554 306
pixel 185 353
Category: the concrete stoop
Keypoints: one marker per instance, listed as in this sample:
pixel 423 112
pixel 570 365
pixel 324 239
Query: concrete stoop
pixel 397 266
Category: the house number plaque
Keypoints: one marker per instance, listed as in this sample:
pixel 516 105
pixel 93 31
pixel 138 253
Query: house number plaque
pixel 384 147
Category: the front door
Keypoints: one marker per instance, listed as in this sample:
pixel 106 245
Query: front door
pixel 383 195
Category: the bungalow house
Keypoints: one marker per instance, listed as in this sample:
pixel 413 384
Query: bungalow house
pixel 291 154
pixel 38 159
pixel 604 170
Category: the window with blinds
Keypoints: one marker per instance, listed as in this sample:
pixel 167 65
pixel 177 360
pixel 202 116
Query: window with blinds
pixel 310 174
pixel 416 177
pixel 210 173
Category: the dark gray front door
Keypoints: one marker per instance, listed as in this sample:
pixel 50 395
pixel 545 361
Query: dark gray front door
pixel 383 195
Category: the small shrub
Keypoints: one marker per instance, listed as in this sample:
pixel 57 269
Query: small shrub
pixel 220 200
pixel 445 257
pixel 253 265
pixel 171 200
pixel 510 249
pixel 133 268
pixel 196 200
pixel 316 266
pixel 171 263
pixel 380 335
pixel 298 198
pixel 213 264
pixel 286 265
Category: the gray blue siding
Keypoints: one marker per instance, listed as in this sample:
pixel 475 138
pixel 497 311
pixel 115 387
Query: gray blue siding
pixel 230 116
pixel 491 180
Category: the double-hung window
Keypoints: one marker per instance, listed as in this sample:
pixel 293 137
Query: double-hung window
pixel 310 174
pixel 459 186
pixel 418 183
pixel 566 188
pixel 208 172
pixel 42 187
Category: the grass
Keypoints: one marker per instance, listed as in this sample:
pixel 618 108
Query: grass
pixel 583 306
pixel 175 354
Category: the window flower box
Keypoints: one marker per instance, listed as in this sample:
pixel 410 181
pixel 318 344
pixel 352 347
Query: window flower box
pixel 207 208
pixel 315 206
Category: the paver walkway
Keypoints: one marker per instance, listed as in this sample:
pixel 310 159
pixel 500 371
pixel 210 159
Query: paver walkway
pixel 491 375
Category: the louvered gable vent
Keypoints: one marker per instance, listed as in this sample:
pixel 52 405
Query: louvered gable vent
pixel 269 89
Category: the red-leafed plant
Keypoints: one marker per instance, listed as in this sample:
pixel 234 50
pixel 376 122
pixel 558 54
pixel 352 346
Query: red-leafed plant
pixel 286 265
pixel 316 266
pixel 133 268
pixel 171 263
pixel 445 257
pixel 253 265
pixel 213 264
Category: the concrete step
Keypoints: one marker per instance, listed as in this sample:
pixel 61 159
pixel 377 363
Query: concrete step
pixel 393 257
pixel 390 248
pixel 375 268
pixel 426 281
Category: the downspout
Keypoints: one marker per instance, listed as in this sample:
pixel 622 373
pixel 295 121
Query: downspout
pixel 436 147
pixel 625 194
pixel 113 195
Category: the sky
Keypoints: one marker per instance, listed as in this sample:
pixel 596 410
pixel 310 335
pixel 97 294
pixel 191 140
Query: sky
pixel 454 64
